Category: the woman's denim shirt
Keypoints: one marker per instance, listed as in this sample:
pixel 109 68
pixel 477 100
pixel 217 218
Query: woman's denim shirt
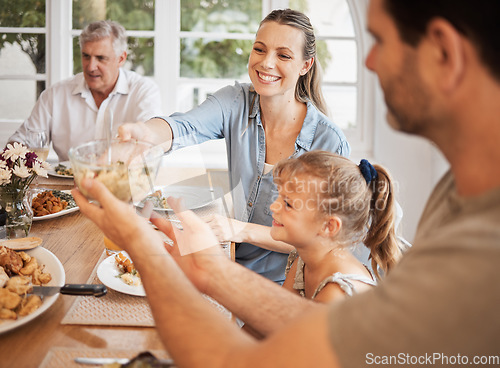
pixel 233 113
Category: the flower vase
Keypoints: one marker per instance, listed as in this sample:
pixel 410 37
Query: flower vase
pixel 18 213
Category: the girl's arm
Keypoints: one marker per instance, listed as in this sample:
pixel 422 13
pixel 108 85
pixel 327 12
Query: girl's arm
pixel 227 229
pixel 331 292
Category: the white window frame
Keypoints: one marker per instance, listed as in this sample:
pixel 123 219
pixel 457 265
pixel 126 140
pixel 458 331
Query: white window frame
pixel 167 34
pixel 363 137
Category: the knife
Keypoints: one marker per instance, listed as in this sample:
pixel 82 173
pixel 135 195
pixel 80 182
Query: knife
pixel 71 289
pixel 102 361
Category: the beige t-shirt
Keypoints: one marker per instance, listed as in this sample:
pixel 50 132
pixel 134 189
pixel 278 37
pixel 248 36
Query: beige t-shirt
pixel 441 305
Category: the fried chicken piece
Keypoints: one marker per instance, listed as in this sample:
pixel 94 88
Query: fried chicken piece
pixel 46 203
pixel 29 268
pixel 3 277
pixel 29 305
pixel 8 299
pixel 39 277
pixel 7 314
pixel 124 263
pixel 20 285
pixel 10 261
pixel 24 256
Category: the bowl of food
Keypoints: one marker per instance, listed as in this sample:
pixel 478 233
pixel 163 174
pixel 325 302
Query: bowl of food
pixel 126 168
pixel 18 270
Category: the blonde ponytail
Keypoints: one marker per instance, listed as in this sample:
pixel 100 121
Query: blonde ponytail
pixel 381 239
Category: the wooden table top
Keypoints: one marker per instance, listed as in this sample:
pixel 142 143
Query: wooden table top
pixel 78 244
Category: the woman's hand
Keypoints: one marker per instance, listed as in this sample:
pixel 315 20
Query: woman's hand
pixel 156 131
pixel 227 229
pixel 138 131
pixel 196 249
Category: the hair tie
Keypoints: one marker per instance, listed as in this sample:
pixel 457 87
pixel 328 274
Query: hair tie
pixel 368 171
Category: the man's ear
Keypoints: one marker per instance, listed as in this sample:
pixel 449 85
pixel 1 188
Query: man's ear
pixel 331 226
pixel 447 53
pixel 122 58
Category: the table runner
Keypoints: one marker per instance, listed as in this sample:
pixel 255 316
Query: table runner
pixel 60 357
pixel 113 309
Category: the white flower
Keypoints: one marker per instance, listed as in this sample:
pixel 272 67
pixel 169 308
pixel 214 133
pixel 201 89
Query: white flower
pixel 14 151
pixel 39 169
pixel 3 164
pixel 21 171
pixel 45 165
pixel 5 175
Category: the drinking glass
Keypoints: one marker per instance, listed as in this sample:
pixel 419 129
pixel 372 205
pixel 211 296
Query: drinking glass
pixel 37 141
pixel 126 168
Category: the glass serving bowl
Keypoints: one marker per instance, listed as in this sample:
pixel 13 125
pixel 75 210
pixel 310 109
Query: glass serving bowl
pixel 127 168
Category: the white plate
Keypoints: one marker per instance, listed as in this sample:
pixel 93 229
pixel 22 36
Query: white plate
pixel 56 270
pixel 109 273
pixel 57 214
pixel 194 197
pixel 53 171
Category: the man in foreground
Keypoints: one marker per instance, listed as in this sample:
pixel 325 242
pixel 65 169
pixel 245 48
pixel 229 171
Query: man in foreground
pixel 77 110
pixel 438 64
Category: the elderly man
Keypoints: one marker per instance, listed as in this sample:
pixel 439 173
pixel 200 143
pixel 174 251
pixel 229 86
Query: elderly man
pixel 438 62
pixel 76 110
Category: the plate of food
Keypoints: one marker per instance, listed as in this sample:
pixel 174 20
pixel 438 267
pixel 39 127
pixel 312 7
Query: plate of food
pixel 51 203
pixel 117 272
pixel 50 272
pixel 62 170
pixel 193 197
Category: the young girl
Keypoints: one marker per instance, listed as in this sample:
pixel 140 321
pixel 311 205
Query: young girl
pixel 326 205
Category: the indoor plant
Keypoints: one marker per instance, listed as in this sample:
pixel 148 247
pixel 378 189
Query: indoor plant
pixel 18 168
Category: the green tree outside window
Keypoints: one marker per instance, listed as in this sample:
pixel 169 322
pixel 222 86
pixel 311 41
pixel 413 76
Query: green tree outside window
pixel 25 13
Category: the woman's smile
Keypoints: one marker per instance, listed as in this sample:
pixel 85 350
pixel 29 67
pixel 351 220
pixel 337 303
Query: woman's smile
pixel 267 78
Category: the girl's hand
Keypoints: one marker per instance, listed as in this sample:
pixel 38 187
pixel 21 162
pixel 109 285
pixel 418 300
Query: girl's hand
pixel 227 229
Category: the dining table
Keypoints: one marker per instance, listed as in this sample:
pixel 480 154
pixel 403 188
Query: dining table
pixel 118 325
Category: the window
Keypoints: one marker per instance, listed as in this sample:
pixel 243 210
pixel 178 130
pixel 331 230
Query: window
pixel 339 28
pixel 138 18
pixel 22 60
pixel 216 38
pixel 190 48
